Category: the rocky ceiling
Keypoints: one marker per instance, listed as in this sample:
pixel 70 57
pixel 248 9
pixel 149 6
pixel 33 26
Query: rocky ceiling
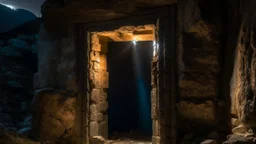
pixel 73 11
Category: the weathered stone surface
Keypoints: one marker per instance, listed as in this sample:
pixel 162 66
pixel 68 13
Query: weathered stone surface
pixel 95 95
pixel 94 109
pixel 156 140
pixel 56 58
pixel 235 122
pixel 155 126
pixel 198 113
pixel 209 142
pixel 95 39
pixel 95 56
pixel 198 68
pixel 96 47
pixel 243 79
pixel 154 112
pixel 100 79
pixel 97 140
pixel 94 128
pixel 90 11
pixel 54 115
pixel 103 129
pixel 103 106
pixel 240 129
pixel 240 139
pixel 96 117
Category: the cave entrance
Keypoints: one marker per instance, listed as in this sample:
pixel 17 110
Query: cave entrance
pixel 93 48
pixel 120 82
pixel 129 108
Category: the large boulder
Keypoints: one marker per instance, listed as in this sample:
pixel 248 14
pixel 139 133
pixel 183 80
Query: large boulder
pixel 54 113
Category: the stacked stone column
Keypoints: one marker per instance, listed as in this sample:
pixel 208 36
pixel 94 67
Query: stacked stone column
pixel 98 79
pixel 155 104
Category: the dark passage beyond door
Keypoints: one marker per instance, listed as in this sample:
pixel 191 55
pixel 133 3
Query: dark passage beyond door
pixel 129 67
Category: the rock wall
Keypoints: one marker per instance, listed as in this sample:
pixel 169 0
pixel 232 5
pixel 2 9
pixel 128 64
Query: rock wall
pixel 98 79
pixel 18 63
pixel 55 84
pixel 243 79
pixel 199 44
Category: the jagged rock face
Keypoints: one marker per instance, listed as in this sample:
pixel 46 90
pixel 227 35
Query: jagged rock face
pixel 198 66
pixel 54 115
pixel 18 63
pixel 243 81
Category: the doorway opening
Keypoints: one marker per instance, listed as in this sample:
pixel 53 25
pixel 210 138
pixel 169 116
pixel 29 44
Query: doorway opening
pixel 120 74
pixel 129 112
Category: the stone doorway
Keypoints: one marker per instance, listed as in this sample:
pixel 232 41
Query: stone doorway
pixel 99 74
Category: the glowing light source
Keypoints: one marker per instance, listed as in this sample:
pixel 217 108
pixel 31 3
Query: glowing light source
pixel 154 48
pixel 10 6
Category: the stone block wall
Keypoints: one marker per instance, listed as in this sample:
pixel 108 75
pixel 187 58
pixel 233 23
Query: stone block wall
pixel 55 84
pixel 198 68
pixel 98 84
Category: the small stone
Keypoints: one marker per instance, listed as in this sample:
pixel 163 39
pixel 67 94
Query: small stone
pixel 94 109
pixel 235 122
pixel 103 106
pixel 156 126
pixel 95 95
pixel 240 129
pixel 103 129
pixel 94 128
pixel 240 139
pixel 97 140
pixel 95 39
pixel 96 47
pixel 210 141
pixel 96 117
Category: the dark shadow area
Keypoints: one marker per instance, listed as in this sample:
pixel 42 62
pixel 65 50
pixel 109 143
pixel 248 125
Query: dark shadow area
pixel 129 67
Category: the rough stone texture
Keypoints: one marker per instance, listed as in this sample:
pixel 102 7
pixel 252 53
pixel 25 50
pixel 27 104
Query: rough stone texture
pixel 209 142
pixel 56 60
pixel 198 53
pixel 97 140
pixel 243 80
pixel 96 117
pixel 54 113
pixel 91 11
pixel 239 139
pixel 198 56
pixel 98 77
pixel 196 113
pixel 94 128
pixel 18 63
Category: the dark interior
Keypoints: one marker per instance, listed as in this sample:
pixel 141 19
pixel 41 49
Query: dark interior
pixel 129 67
